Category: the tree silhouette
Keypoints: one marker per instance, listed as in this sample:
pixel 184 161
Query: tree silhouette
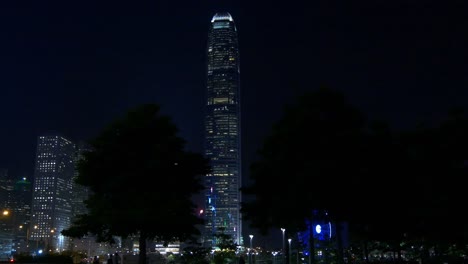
pixel 141 180
pixel 226 252
pixel 314 159
pixel 393 188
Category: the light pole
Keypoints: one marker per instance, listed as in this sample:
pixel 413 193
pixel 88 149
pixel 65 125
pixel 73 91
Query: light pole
pixel 250 250
pixel 289 251
pixel 27 234
pixel 5 224
pixel 37 240
pixel 51 241
pixel 284 249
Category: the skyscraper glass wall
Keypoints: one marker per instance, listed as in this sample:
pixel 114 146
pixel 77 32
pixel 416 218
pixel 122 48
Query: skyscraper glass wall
pixel 51 210
pixel 80 193
pixel 222 131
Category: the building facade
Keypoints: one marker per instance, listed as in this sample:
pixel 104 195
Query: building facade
pixel 6 215
pixel 21 208
pixel 80 193
pixel 222 132
pixel 15 199
pixel 6 188
pixel 51 210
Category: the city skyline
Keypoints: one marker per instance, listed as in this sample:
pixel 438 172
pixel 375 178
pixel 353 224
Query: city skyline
pixel 73 68
pixel 399 61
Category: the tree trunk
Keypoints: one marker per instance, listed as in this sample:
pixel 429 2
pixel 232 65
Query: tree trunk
pixel 366 252
pixel 339 243
pixel 424 252
pixel 400 258
pixel 311 243
pixel 142 246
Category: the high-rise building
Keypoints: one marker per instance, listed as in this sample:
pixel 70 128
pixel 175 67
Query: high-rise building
pixel 222 132
pixel 15 205
pixel 6 216
pixel 51 210
pixel 6 186
pixel 80 193
pixel 21 212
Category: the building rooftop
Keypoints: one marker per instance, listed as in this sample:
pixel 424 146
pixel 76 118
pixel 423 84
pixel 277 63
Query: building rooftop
pixel 222 16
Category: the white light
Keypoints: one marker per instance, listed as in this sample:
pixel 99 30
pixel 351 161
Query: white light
pixel 221 16
pixel 318 229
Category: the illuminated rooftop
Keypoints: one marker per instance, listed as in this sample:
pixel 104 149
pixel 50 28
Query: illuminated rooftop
pixel 222 16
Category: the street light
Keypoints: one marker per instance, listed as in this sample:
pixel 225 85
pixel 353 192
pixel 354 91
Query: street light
pixel 5 224
pixel 27 233
pixel 37 240
pixel 284 250
pixel 51 240
pixel 289 251
pixel 250 251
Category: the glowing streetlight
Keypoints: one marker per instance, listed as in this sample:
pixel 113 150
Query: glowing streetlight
pixel 289 251
pixel 50 245
pixel 6 212
pixel 37 240
pixel 250 251
pixel 284 246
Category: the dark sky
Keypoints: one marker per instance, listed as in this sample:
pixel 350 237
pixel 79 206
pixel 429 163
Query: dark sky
pixel 73 66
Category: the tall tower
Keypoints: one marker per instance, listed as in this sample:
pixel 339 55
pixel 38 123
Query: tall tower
pixel 51 210
pixel 222 131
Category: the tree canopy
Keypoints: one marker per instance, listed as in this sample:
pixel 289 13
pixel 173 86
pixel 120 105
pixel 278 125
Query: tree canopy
pixel 141 179
pixel 306 161
pixel 325 154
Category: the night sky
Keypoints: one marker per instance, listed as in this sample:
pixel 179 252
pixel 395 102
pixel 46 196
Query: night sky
pixel 74 66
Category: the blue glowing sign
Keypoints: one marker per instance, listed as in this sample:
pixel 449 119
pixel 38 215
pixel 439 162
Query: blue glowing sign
pixel 318 229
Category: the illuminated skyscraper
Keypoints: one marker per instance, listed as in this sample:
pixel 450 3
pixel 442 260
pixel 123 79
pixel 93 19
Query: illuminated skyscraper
pixel 6 186
pixel 21 208
pixel 51 210
pixel 222 131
